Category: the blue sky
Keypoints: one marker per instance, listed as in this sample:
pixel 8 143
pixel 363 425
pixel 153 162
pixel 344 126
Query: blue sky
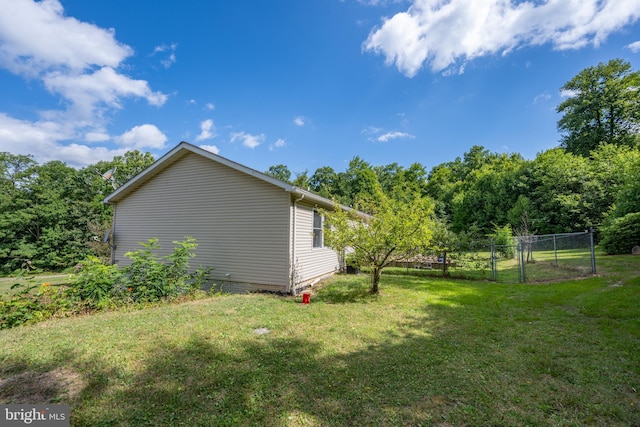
pixel 304 83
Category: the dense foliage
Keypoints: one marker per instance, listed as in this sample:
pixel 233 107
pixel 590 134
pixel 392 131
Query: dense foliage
pixel 603 107
pixel 622 234
pixel 395 229
pixel 96 286
pixel 52 216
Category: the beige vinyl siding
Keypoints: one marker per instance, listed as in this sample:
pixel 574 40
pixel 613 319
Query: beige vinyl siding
pixel 241 222
pixel 310 263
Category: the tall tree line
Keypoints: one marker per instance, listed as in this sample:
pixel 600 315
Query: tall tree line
pixel 556 192
pixel 51 214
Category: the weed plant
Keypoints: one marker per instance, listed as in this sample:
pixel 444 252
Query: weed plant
pixel 95 286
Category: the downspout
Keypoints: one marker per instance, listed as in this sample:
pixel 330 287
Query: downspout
pixel 293 249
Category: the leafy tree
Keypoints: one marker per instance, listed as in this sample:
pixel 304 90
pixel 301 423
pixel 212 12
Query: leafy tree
pixel 302 180
pixel 449 185
pixel 131 164
pixel 488 192
pixel 519 215
pixel 280 172
pixel 621 234
pixel 502 238
pixel 389 176
pixel 556 188
pixel 324 182
pixel 50 213
pixel 612 182
pixel 16 173
pixel 603 107
pixel 359 181
pixel 443 241
pixel 396 229
pixel 397 181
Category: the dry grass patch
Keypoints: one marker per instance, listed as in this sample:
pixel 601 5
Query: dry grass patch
pixel 58 385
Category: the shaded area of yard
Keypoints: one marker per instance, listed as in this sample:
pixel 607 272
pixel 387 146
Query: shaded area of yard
pixel 424 352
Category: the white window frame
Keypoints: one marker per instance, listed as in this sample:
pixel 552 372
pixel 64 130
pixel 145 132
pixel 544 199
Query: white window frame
pixel 318 230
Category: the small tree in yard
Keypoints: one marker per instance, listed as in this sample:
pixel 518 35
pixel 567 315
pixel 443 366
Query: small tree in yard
pixel 392 229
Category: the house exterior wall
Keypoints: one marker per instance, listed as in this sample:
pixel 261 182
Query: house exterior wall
pixel 242 223
pixel 309 264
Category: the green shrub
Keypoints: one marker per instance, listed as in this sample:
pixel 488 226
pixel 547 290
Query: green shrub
pixel 621 234
pixel 152 278
pixel 29 306
pixel 502 238
pixel 18 308
pixel 97 286
pixel 95 282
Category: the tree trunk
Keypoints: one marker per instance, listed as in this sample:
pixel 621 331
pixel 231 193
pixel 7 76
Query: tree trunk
pixel 444 264
pixel 375 275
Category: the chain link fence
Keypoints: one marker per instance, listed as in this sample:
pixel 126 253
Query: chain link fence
pixel 541 258
pixel 529 259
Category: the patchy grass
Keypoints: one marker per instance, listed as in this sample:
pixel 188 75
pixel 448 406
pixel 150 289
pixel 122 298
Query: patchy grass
pixel 54 279
pixel 427 351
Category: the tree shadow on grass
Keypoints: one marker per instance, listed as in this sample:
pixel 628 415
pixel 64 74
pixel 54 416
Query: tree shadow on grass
pixel 346 289
pixel 452 364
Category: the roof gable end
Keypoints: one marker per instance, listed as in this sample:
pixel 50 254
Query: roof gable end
pixel 184 148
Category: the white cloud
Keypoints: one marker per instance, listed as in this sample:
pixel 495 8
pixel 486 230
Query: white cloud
pixel 78 62
pixel 394 135
pixel 210 106
pixel 377 134
pixel 36 36
pixel 568 93
pixel 171 58
pixel 299 121
pixel 371 130
pixel 44 139
pixel 207 130
pixel 248 140
pixel 77 155
pixel 103 88
pixel 543 97
pixel 211 148
pixel 142 137
pixel 278 144
pixel 97 136
pixel 446 34
pixel 634 47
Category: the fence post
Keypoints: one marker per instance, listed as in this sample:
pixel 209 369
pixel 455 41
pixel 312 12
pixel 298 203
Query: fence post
pixel 523 274
pixel 593 252
pixel 555 249
pixel 493 261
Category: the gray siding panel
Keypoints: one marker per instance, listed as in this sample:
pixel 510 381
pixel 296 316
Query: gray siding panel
pixel 310 263
pixel 241 223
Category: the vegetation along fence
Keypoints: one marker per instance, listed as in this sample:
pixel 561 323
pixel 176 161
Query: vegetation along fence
pixel 543 257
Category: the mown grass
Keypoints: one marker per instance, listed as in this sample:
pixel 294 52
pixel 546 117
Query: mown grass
pixel 6 283
pixel 427 351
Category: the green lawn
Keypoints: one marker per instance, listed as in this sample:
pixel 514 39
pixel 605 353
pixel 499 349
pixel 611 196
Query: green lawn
pixel 427 351
pixel 53 278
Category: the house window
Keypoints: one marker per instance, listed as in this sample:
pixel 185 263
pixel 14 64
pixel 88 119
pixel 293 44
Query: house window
pixel 318 237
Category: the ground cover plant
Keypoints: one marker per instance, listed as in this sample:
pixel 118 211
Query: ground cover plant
pixel 96 286
pixel 426 351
